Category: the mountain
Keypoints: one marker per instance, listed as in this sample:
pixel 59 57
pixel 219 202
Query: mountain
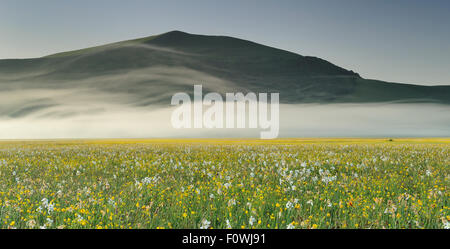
pixel 148 71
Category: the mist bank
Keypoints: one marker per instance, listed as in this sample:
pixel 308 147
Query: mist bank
pixel 103 119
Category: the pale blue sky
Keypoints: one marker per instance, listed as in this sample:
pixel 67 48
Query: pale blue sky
pixel 402 41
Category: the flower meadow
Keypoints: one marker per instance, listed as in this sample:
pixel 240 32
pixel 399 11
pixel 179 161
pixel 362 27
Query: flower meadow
pixel 281 184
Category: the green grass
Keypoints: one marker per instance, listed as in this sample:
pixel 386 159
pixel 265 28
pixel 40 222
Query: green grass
pixel 299 183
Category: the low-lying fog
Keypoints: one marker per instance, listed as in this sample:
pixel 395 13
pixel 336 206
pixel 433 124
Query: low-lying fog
pixel 133 104
pixel 97 116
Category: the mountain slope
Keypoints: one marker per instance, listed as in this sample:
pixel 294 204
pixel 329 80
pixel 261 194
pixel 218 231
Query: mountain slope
pixel 148 71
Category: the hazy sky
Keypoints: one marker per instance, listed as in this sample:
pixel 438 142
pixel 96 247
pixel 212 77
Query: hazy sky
pixel 402 41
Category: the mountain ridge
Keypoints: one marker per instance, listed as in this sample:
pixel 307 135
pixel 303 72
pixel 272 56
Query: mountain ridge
pixel 151 69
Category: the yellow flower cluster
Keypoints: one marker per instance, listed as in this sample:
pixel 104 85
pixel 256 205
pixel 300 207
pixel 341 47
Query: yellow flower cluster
pixel 224 184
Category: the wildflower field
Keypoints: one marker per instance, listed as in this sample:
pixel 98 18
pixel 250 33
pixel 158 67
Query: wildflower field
pixel 292 183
